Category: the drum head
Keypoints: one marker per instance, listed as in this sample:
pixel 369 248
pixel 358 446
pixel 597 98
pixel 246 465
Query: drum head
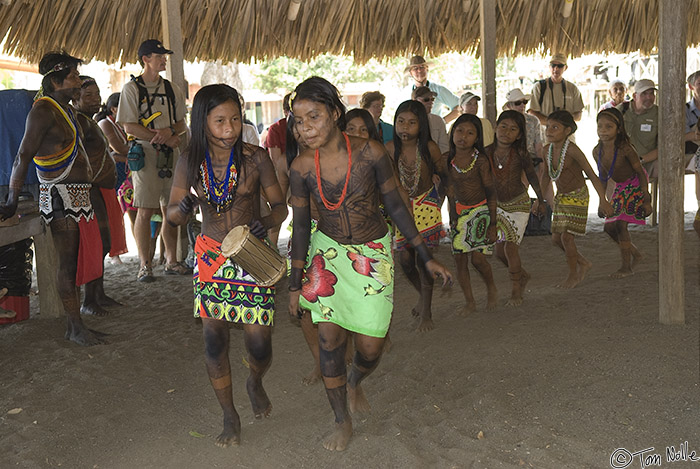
pixel 234 240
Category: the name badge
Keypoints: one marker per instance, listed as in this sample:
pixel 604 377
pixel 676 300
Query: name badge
pixel 645 127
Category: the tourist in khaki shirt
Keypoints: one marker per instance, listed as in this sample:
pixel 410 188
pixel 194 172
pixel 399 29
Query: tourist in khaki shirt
pixel 641 122
pixel 557 93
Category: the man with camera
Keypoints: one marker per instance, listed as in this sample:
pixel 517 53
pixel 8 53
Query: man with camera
pixel 152 110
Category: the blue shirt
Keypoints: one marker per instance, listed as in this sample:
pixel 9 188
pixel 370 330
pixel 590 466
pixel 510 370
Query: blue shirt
pixel 444 97
pixel 386 131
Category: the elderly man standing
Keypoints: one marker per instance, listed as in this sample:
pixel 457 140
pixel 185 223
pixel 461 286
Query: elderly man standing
pixel 418 69
pixel 153 110
pixel 555 93
pixel 641 117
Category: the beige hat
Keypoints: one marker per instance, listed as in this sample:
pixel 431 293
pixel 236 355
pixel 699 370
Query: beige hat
pixel 516 94
pixel 558 59
pixel 466 97
pixel 644 84
pixel 416 60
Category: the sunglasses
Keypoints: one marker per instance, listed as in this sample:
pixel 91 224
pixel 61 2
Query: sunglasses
pixel 518 103
pixel 557 65
pixel 425 100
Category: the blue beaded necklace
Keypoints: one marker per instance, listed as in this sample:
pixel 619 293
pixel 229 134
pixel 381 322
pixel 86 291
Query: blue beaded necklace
pixel 600 164
pixel 219 193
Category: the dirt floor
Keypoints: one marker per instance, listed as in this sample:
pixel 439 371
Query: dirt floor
pixel 568 380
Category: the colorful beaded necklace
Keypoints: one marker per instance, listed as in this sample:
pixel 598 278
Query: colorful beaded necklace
pixel 600 164
pixel 219 193
pixel 317 162
pixel 554 175
pixel 464 171
pixel 406 174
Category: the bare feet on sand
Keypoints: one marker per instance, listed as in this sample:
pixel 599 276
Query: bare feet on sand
pixel 340 437
pixel 622 273
pixel 516 298
pixel 258 398
pixel 467 309
pixel 81 335
pixel 583 267
pixel 108 301
pixel 313 377
pixel 357 400
pixel 492 300
pixel 93 309
pixel 425 325
pixel 231 435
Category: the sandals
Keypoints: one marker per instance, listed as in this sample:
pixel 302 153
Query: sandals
pixel 145 275
pixel 177 269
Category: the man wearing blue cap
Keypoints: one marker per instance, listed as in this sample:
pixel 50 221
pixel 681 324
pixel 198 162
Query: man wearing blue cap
pixel 153 110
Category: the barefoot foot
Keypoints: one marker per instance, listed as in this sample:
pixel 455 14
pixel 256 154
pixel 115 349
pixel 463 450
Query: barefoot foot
pixel 515 301
pixel 357 400
pixel 570 282
pixel 258 398
pixel 622 273
pixel 467 309
pixel 425 325
pixel 81 335
pixel 231 435
pixel 93 309
pixel 313 377
pixel 340 437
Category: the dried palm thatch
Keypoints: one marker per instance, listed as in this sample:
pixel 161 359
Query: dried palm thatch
pixel 238 30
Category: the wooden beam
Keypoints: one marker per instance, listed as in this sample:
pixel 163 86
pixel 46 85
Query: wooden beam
pixel 672 45
pixel 487 45
pixel 172 39
pixel 175 72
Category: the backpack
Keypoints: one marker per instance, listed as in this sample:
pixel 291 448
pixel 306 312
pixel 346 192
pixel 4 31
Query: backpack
pixel 144 96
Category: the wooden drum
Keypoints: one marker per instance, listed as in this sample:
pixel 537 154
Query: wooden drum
pixel 262 262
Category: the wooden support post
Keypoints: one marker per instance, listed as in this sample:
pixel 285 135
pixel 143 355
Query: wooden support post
pixel 672 45
pixel 172 37
pixel 50 305
pixel 487 44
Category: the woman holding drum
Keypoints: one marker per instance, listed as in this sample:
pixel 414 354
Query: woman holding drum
pixel 347 283
pixel 224 176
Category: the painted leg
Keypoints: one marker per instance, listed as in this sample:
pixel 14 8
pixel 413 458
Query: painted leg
pixel 462 262
pixel 216 345
pixel 258 342
pixel 332 340
pixel 483 266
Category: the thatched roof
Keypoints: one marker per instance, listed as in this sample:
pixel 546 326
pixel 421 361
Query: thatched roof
pixel 237 30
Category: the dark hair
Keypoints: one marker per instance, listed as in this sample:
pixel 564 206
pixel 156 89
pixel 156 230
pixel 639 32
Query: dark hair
pixel 520 144
pixel 87 81
pixel 106 108
pixel 291 147
pixel 565 118
pixel 692 77
pixel 367 119
pixel 616 116
pixel 322 91
pixel 56 66
pixel 369 97
pixel 478 144
pixel 285 102
pixel 206 99
pixel 419 111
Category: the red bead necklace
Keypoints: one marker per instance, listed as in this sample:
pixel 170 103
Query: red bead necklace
pixel 327 204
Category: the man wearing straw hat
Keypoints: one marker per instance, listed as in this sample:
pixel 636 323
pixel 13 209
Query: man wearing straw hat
pixel 418 69
pixel 158 138
pixel 555 93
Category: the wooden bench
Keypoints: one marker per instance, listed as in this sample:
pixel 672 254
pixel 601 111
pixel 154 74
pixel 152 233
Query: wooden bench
pixel 32 226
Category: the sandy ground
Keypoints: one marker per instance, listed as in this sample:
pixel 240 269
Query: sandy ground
pixel 561 382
